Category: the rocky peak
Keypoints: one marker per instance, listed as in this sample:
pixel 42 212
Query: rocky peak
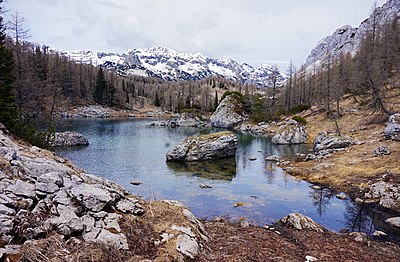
pixel 347 39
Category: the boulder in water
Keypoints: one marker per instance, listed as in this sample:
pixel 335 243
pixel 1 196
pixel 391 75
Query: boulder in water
pixel 67 139
pixel 204 147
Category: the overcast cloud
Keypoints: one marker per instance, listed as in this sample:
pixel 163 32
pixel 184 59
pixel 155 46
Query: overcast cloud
pixel 252 31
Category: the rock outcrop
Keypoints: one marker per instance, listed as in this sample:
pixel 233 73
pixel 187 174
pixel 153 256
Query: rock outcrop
pixel 183 120
pixel 42 195
pixel 289 133
pixel 204 147
pixel 229 113
pixel 327 143
pixel 67 139
pixel 301 222
pixel 385 194
pixel 392 129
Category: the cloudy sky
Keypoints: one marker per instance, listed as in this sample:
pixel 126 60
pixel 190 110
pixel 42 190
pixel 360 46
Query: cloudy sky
pixel 252 31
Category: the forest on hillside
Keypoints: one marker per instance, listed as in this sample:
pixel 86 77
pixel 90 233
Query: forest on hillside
pixel 370 73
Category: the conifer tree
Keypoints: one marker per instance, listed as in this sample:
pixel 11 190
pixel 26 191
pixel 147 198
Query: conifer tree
pixel 101 87
pixel 8 110
pixel 157 100
pixel 216 101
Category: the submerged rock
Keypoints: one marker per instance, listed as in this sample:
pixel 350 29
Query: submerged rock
pixel 204 147
pixel 301 222
pixel 328 143
pixel 392 129
pixel 228 114
pixel 67 138
pixel 289 133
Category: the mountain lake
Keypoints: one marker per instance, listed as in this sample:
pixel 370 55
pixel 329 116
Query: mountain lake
pixel 125 150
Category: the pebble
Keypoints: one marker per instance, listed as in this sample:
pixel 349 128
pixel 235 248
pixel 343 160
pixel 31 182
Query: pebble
pixel 316 187
pixel 311 259
pixel 378 233
pixel 244 224
pixel 238 204
pixel 359 200
pixel 341 196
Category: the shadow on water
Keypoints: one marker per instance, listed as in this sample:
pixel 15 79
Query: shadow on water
pixel 221 169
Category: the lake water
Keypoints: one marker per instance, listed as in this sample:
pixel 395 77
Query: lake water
pixel 125 150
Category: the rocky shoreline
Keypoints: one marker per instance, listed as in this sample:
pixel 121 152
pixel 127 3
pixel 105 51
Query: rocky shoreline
pixel 42 196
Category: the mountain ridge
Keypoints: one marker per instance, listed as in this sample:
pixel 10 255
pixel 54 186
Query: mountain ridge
pixel 165 63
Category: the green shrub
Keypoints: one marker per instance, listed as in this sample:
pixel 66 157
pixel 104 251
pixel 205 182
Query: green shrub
pixel 298 109
pixel 30 134
pixel 233 93
pixel 300 119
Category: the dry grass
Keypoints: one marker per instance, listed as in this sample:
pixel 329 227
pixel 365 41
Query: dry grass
pixel 234 243
pixel 357 165
pixel 55 249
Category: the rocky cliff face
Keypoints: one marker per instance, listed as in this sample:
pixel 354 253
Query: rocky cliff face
pixel 347 39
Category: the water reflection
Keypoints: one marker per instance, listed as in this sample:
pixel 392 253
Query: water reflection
pixel 358 218
pixel 321 199
pixel 221 169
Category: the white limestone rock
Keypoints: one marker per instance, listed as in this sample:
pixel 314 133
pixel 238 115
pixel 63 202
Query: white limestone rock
pixel 67 139
pixel 301 222
pixel 204 147
pixel 228 114
pixel 392 129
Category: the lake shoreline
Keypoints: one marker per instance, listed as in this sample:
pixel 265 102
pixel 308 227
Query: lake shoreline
pixel 226 240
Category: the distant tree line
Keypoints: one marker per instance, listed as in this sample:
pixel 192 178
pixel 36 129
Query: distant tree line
pixel 46 81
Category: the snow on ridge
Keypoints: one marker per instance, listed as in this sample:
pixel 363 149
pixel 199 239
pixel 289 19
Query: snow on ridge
pixel 169 64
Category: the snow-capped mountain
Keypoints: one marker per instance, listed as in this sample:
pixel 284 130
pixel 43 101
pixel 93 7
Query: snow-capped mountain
pixel 170 65
pixel 347 39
